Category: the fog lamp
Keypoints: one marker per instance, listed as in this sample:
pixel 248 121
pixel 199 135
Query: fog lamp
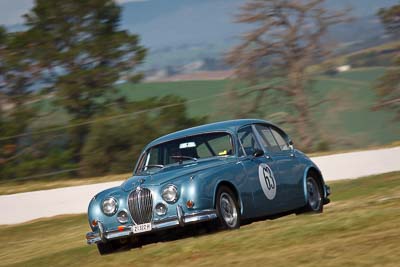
pixel 122 216
pixel 161 209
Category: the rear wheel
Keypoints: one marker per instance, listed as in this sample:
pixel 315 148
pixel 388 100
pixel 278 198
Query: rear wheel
pixel 314 196
pixel 227 208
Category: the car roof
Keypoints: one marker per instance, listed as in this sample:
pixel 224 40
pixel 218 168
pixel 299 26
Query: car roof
pixel 223 126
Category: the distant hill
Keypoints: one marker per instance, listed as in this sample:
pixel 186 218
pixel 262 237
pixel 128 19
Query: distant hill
pixel 182 31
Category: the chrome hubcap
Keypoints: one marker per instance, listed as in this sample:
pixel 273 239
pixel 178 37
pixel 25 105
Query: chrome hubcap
pixel 228 209
pixel 314 196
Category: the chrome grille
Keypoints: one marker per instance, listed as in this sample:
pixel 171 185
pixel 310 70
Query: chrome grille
pixel 140 202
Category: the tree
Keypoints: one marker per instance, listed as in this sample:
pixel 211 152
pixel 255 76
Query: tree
pixel 17 76
pixel 17 72
pixel 82 52
pixel 286 39
pixel 390 18
pixel 388 87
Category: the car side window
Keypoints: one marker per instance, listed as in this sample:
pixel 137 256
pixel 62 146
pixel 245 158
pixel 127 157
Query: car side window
pixel 248 141
pixel 283 144
pixel 267 139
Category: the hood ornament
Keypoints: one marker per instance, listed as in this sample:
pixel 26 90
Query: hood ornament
pixel 140 181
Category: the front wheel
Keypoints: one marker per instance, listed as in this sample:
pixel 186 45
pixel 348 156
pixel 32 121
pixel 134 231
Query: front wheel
pixel 314 196
pixel 227 208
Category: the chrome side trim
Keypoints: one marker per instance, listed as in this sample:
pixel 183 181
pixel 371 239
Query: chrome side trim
pixel 180 219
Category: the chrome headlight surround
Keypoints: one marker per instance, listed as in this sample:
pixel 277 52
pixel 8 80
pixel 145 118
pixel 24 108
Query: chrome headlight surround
pixel 170 194
pixel 109 206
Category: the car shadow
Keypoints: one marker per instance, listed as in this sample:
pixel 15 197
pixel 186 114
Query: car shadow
pixel 189 231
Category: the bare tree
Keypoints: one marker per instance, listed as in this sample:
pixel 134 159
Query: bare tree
pixel 287 38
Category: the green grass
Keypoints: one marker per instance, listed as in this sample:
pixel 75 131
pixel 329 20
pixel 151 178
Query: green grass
pixel 186 89
pixel 359 228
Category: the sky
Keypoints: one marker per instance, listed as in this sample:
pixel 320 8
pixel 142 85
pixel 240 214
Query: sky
pixel 12 10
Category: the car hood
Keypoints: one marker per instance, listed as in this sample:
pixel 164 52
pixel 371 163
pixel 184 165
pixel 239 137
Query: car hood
pixel 173 172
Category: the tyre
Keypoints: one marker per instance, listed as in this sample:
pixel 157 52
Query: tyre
pixel 314 196
pixel 227 207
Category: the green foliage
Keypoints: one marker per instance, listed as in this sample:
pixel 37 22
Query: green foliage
pixel 80 52
pixel 17 75
pixel 113 146
pixel 30 155
pixel 3 34
pixel 80 44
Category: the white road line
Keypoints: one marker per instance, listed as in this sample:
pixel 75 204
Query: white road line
pixel 22 207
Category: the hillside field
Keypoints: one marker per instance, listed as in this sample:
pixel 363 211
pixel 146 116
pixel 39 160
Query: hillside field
pixel 359 228
pixel 347 117
pixel 347 120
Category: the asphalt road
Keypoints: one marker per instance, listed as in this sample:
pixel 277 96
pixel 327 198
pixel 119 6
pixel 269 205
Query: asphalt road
pixel 22 207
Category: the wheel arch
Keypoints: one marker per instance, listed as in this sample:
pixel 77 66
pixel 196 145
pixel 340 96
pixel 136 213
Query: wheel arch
pixel 315 172
pixel 234 190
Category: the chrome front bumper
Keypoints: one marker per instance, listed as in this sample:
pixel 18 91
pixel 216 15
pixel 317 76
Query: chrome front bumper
pixel 181 219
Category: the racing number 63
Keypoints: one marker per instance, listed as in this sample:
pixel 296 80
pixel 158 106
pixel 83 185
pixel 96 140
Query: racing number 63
pixel 267 180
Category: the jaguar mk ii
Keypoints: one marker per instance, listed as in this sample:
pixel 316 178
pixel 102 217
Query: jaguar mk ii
pixel 226 172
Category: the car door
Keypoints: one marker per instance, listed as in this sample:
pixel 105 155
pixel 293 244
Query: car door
pixel 261 173
pixel 276 144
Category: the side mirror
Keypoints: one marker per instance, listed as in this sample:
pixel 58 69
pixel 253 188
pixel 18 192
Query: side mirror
pixel 258 153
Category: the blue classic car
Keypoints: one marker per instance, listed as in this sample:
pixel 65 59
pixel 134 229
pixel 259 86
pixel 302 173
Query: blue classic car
pixel 223 172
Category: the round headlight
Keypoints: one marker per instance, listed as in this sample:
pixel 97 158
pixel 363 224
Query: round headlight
pixel 161 209
pixel 109 206
pixel 170 194
pixel 122 216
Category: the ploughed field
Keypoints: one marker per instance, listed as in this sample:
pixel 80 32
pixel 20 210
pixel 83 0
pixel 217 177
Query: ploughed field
pixel 360 227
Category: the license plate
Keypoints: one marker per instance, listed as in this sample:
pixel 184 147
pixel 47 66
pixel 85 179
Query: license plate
pixel 140 228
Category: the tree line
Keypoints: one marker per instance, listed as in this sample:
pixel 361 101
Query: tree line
pixel 76 51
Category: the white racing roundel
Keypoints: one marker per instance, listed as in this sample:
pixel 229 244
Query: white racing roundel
pixel 267 180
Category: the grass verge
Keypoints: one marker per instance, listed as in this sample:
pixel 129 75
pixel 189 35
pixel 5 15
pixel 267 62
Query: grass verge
pixel 13 187
pixel 359 228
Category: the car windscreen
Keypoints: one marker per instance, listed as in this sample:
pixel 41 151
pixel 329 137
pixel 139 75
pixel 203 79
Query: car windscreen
pixel 190 148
